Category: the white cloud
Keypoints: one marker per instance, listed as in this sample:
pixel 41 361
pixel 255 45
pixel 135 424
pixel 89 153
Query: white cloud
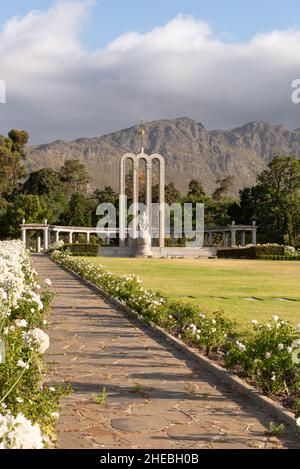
pixel 57 89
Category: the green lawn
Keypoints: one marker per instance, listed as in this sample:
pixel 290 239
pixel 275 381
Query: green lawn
pixel 222 285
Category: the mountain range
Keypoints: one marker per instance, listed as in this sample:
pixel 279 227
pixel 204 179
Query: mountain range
pixel 190 152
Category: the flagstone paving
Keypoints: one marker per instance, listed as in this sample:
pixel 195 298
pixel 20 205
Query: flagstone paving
pixel 131 390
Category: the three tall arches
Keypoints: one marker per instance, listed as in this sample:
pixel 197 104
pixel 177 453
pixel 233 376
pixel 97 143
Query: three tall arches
pixel 136 160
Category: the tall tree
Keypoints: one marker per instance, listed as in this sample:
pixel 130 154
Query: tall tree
pixel 274 201
pixel 80 211
pixel 75 177
pixel 12 154
pixel 31 207
pixel 107 195
pixel 195 191
pixel 46 181
pixel 223 188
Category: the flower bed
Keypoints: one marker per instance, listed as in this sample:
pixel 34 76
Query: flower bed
pixel 28 409
pixel 268 359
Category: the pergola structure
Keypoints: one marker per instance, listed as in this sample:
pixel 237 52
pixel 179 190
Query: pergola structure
pixel 46 234
pixel 229 235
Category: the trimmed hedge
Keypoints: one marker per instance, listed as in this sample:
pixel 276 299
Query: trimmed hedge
pixel 84 250
pixel 251 252
pixel 237 253
pixel 280 258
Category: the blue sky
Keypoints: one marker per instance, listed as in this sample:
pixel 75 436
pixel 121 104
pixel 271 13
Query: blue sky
pixel 83 68
pixel 238 19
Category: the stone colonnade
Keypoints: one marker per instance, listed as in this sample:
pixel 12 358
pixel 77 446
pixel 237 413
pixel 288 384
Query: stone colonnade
pixel 45 232
pixel 229 234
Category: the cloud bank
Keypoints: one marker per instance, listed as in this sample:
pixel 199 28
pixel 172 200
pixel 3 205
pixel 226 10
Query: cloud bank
pixel 58 89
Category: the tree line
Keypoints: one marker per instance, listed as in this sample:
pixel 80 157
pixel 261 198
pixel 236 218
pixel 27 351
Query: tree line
pixel 64 196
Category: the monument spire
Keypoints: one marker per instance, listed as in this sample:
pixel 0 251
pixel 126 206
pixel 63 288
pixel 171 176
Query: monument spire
pixel 142 134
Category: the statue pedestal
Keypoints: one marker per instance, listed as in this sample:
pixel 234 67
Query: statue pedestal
pixel 143 246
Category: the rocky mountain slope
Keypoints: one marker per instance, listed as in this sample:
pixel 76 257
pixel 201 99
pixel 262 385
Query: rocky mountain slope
pixel 190 151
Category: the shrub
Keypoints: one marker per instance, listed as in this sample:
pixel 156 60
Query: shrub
pixel 81 250
pixel 252 252
pixel 270 356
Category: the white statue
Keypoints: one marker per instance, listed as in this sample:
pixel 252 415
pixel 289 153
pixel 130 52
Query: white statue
pixel 144 225
pixel 144 239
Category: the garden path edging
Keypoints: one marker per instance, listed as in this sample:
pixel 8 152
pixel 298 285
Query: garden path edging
pixel 236 383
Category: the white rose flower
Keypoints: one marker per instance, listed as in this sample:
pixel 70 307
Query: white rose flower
pixel 21 323
pixel 242 348
pixel 19 433
pixel 48 282
pixel 276 318
pixel 268 355
pixel 38 339
pixel 280 347
pixel 254 322
pixel 22 364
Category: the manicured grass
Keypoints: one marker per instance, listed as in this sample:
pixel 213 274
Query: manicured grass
pixel 222 284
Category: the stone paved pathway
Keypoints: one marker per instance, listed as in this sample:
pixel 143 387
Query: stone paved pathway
pixel 156 397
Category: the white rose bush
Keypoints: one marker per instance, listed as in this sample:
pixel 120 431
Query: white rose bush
pixel 26 404
pixel 268 358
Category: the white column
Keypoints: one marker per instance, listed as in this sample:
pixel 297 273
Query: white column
pixel 233 234
pixel 243 241
pixel 39 244
pixel 161 203
pixel 233 237
pixel 149 195
pixel 88 238
pixel 225 239
pixel 210 239
pixel 70 237
pixel 57 236
pixel 122 204
pixel 135 198
pixel 24 236
pixel 254 240
pixel 46 239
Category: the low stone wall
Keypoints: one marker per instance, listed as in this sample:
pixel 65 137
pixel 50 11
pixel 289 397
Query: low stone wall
pixel 168 252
